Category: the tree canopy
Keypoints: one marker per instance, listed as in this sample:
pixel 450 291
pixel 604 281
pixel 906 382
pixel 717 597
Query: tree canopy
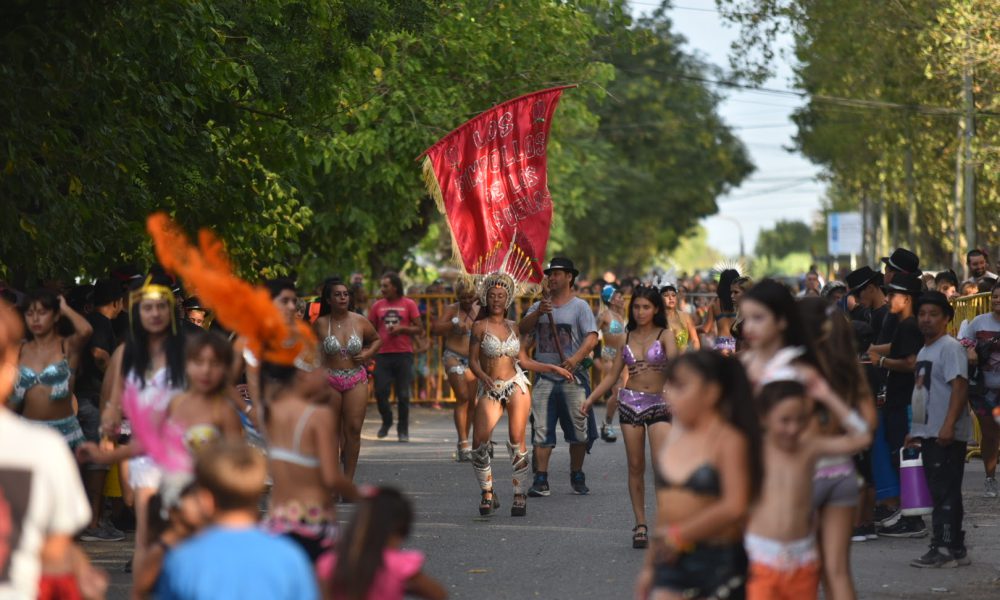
pixel 292 127
pixel 887 107
pixel 783 239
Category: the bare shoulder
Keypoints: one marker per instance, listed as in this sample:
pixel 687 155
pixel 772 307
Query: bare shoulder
pixel 732 440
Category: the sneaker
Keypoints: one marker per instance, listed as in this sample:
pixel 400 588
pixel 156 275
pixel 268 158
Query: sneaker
pixel 863 533
pixel 961 557
pixel 106 525
pixel 935 559
pixel 101 534
pixel 886 516
pixel 579 482
pixel 907 527
pixel 540 487
pixel 990 488
pixel 464 453
pixel 608 433
pixel 404 437
pixel 383 431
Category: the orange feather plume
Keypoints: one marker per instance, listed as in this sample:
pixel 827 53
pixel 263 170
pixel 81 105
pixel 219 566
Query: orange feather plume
pixel 238 305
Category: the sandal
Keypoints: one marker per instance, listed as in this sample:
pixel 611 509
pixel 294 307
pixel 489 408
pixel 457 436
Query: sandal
pixel 487 506
pixel 519 507
pixel 640 536
pixel 464 453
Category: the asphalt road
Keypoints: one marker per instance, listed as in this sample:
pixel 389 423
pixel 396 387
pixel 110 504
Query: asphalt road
pixel 574 547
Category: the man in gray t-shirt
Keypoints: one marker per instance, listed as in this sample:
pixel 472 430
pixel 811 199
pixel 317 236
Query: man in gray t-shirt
pixel 565 333
pixel 941 428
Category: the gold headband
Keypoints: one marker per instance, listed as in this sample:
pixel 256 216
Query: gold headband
pixel 154 291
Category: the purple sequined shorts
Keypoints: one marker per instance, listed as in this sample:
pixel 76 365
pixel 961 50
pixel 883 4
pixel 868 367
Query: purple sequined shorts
pixel 642 408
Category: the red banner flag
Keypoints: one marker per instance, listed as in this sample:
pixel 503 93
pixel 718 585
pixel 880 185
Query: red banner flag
pixel 489 178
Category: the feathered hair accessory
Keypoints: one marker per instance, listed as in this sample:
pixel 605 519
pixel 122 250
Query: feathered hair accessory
pixel 780 367
pixel 238 305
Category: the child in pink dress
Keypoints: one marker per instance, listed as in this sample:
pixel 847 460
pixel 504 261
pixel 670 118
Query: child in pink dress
pixel 369 564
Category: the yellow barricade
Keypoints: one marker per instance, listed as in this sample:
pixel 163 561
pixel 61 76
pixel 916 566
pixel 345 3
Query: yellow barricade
pixel 966 309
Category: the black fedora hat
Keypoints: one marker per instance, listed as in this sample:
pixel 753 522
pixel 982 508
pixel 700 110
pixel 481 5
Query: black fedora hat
pixel 561 263
pixel 193 303
pixel 905 283
pixel 107 291
pixel 902 260
pixel 937 299
pixel 858 279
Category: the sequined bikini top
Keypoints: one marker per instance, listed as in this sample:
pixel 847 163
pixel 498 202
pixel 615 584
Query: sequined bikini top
pixel 331 345
pixel 616 327
pixel 493 347
pixel 56 376
pixel 655 354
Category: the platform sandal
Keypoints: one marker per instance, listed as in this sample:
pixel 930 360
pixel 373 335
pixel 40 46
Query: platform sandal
pixel 640 536
pixel 487 506
pixel 519 507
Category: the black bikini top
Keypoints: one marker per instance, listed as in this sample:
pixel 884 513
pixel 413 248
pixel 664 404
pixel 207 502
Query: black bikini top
pixel 703 481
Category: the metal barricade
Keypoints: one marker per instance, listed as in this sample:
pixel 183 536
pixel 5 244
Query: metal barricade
pixel 431 382
pixel 966 309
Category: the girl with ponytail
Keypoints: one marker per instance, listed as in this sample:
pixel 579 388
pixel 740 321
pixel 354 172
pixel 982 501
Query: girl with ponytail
pixel 369 563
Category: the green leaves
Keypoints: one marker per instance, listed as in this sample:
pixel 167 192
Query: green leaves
pixel 292 127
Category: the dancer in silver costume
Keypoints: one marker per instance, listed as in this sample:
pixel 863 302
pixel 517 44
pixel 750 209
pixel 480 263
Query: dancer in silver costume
pixel 498 361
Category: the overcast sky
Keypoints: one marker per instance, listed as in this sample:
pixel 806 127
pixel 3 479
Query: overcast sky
pixel 784 184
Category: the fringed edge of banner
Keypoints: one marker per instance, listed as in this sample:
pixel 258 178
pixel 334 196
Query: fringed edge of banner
pixel 434 189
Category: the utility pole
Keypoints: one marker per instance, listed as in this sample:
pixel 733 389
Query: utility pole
pixel 956 260
pixel 969 184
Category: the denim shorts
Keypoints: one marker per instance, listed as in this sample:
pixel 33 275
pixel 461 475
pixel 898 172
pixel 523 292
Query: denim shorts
pixel 559 402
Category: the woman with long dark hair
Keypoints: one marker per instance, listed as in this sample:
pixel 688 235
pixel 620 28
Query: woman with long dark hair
pixel 348 342
pixel 43 389
pixel 707 474
pixel 370 564
pixel 835 480
pixel 772 324
pixel 642 408
pixel 722 313
pixel 147 371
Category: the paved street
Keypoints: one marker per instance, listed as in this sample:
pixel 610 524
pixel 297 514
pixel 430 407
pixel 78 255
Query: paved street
pixel 580 546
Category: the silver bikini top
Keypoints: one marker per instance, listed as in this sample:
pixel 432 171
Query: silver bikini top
pixel 331 345
pixel 493 347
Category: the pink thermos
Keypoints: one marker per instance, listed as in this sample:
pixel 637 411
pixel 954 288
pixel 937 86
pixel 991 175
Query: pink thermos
pixel 914 495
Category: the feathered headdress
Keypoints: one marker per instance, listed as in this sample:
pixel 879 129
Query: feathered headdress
pixel 510 270
pixel 238 305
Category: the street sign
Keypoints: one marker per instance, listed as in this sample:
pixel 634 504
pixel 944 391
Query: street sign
pixel 844 234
